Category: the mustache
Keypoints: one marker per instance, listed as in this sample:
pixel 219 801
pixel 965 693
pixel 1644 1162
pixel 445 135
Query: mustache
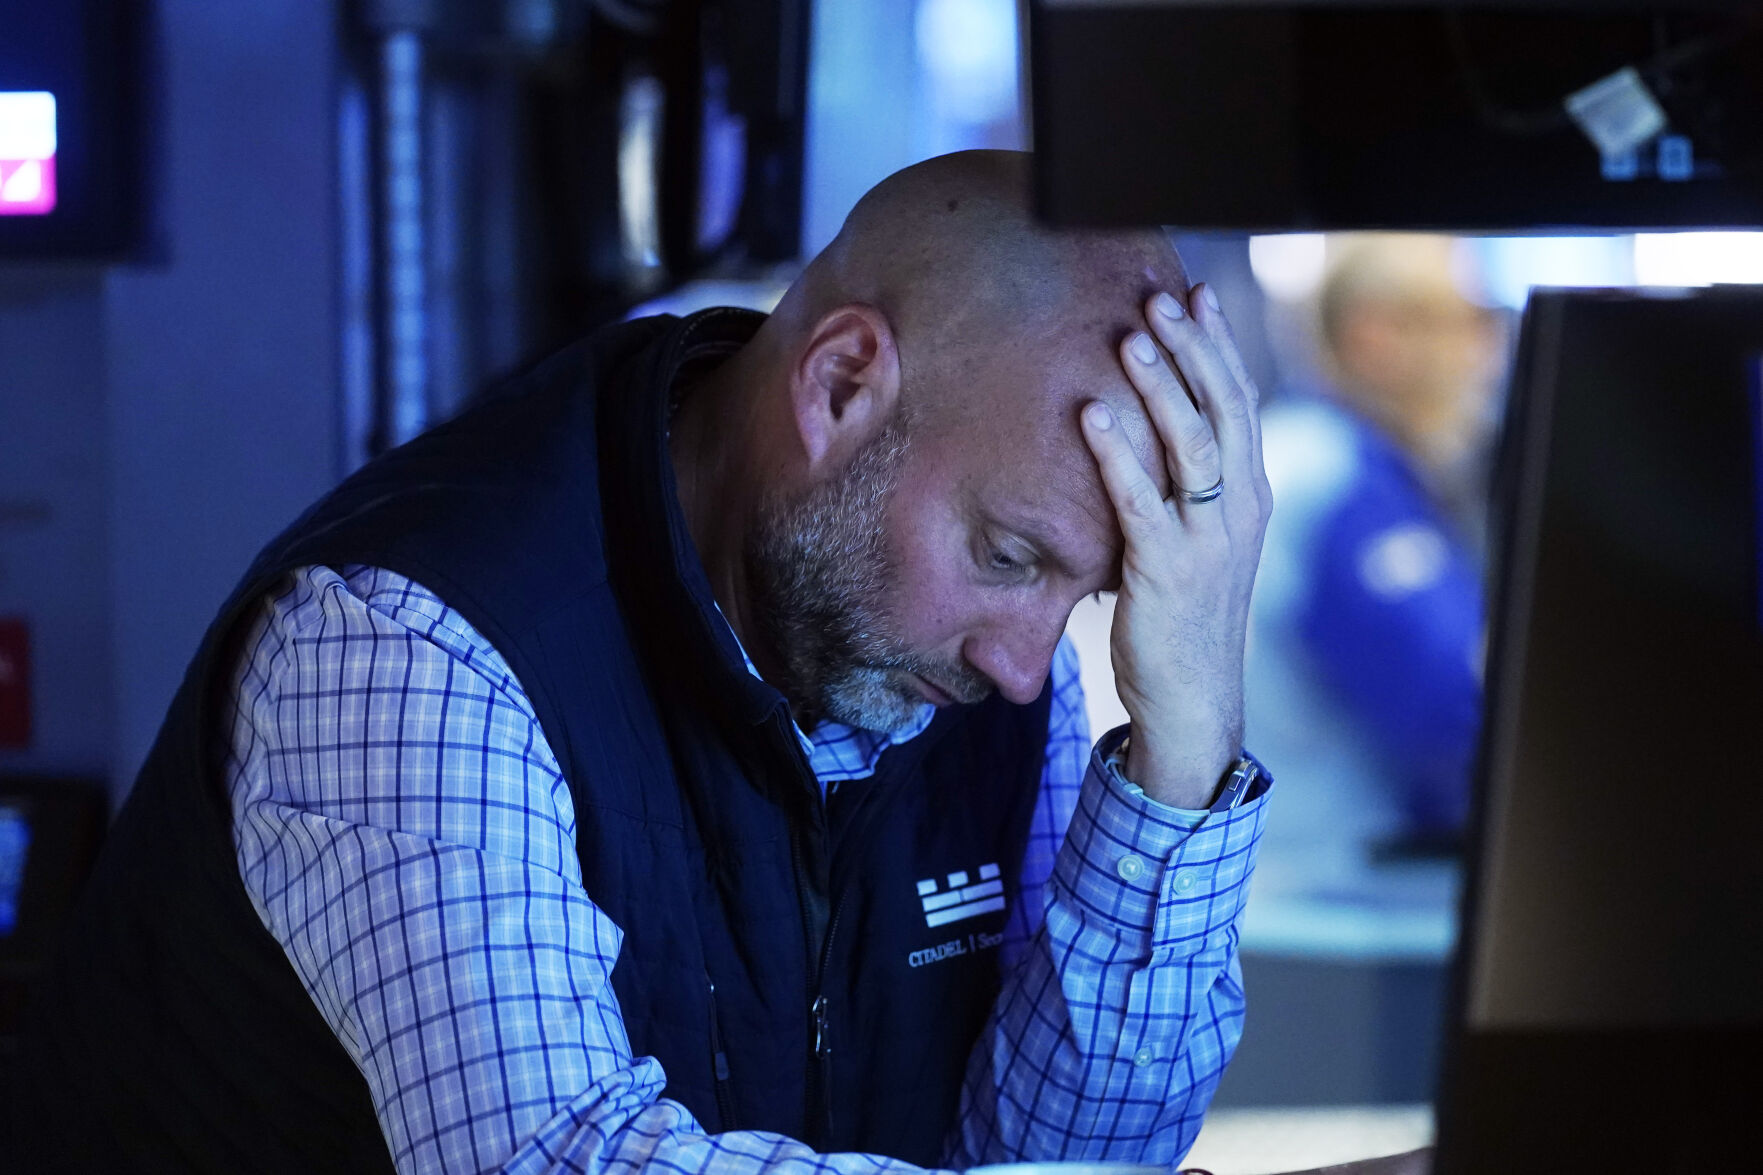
pixel 965 684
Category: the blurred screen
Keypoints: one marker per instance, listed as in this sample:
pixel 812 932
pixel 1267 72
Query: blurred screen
pixel 27 153
pixel 15 843
pixel 1755 372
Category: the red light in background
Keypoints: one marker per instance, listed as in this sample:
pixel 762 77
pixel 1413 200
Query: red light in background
pixel 15 683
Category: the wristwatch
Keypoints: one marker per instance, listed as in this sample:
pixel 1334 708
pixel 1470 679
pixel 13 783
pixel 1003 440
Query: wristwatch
pixel 1238 782
pixel 1237 785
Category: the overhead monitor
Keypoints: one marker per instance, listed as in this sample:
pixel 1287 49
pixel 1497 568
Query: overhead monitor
pixel 1488 115
pixel 70 122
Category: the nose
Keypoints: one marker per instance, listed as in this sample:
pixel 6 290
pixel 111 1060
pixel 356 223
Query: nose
pixel 1016 652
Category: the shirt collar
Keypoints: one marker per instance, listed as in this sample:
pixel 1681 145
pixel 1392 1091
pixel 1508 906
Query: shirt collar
pixel 836 751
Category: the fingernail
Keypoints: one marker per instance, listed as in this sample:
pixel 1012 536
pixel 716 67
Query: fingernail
pixel 1211 298
pixel 1143 349
pixel 1100 417
pixel 1167 306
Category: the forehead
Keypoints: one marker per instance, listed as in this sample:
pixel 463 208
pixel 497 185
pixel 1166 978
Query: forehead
pixel 1019 462
pixel 1024 404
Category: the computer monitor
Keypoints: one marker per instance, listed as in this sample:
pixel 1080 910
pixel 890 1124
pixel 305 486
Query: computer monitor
pixel 1274 115
pixel 1610 979
pixel 50 830
pixel 70 128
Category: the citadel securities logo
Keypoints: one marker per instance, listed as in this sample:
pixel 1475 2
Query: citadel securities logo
pixel 960 899
pixel 954 948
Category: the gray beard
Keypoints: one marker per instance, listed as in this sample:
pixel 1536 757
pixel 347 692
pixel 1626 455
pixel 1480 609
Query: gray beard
pixel 820 571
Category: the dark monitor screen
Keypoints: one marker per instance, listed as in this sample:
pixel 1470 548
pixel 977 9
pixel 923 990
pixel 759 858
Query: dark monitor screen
pixel 1459 114
pixel 50 831
pixel 69 128
pixel 1611 979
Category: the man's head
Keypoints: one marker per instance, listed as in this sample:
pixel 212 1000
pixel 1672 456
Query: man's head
pixel 926 513
pixel 1402 341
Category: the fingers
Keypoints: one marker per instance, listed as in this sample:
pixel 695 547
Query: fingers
pixel 1212 318
pixel 1188 438
pixel 1207 374
pixel 1136 501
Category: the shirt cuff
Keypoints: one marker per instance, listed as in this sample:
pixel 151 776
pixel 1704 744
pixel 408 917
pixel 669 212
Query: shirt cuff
pixel 1111 751
pixel 1167 877
pixel 1113 747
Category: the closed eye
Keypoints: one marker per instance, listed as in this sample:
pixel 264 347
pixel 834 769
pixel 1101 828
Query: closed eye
pixel 1010 562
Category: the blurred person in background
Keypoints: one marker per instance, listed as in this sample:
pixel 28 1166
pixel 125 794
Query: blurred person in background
pixel 1364 660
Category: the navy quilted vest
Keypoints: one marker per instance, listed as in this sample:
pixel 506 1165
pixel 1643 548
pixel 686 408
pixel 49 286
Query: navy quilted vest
pixel 796 965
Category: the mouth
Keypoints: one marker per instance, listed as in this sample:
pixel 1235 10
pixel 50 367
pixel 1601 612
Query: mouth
pixel 931 693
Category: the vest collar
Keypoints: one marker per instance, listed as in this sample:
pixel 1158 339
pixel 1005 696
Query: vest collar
pixel 665 588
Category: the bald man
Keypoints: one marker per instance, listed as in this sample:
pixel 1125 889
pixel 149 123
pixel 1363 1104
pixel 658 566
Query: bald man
pixel 675 760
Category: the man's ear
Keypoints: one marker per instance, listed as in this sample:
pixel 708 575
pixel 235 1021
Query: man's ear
pixel 845 384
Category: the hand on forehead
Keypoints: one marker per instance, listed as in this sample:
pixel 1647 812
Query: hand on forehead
pixel 1034 406
pixel 1061 347
pixel 1014 429
pixel 1114 390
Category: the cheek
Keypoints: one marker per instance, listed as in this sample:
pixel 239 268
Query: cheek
pixel 932 585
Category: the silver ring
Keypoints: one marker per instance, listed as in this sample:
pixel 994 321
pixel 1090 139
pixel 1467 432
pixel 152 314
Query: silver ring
pixel 1206 495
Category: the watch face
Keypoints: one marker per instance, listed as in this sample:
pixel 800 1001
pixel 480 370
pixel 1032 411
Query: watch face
pixel 1237 785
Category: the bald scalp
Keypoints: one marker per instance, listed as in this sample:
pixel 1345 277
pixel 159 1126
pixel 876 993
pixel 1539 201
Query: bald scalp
pixel 985 302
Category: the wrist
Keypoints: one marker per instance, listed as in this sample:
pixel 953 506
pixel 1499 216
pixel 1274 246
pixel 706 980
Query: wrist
pixel 1178 780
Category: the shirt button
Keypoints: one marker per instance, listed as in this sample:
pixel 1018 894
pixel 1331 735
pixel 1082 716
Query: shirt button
pixel 1130 867
pixel 1185 882
pixel 1144 1056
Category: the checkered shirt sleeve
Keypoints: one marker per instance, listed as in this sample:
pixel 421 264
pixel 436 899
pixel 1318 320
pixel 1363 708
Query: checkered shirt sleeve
pixel 1132 999
pixel 405 833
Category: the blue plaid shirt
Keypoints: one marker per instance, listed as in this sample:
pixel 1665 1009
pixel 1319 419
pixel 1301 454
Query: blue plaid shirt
pixel 405 833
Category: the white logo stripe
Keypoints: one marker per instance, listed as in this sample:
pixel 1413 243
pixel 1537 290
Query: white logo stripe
pixel 969 910
pixel 984 889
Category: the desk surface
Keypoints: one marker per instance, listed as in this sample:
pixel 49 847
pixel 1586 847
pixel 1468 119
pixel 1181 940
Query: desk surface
pixel 1259 1142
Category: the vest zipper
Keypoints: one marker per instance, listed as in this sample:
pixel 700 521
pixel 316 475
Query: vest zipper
pixel 822 934
pixel 813 880
pixel 823 1047
pixel 823 1061
pixel 725 1100
pixel 819 1116
pixel 822 1069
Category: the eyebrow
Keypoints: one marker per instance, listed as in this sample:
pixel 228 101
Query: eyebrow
pixel 1044 540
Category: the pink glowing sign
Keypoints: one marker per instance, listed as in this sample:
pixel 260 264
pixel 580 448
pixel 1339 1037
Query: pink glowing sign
pixel 27 153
